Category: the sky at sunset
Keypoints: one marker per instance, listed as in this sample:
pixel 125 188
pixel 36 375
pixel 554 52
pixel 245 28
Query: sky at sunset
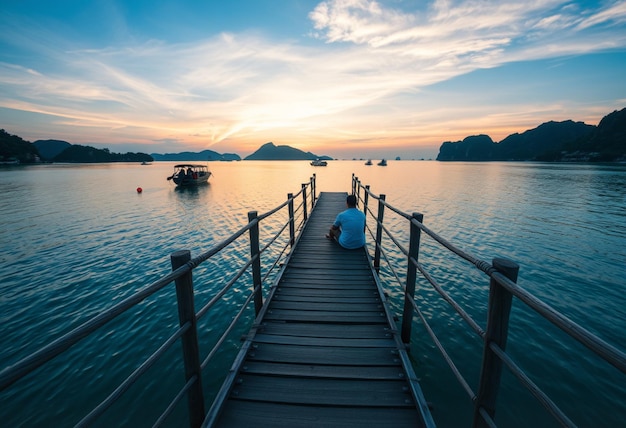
pixel 344 78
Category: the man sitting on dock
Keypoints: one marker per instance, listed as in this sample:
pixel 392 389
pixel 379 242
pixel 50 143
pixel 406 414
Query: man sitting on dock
pixel 349 226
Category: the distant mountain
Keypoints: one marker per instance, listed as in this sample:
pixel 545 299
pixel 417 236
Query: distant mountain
pixel 269 151
pixel 544 142
pixel 86 154
pixel 48 149
pixel 550 141
pixel 205 155
pixel 474 148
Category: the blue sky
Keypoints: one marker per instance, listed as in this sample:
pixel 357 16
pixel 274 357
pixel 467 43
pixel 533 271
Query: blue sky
pixel 345 78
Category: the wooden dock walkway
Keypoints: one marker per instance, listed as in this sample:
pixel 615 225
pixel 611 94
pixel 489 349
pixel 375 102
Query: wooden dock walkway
pixel 325 350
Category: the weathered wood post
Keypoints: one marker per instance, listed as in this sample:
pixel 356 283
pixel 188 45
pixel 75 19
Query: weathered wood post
pixel 365 200
pixel 292 228
pixel 411 275
pixel 499 309
pixel 191 352
pixel 355 180
pixel 256 264
pixel 379 232
pixel 313 190
pixel 304 200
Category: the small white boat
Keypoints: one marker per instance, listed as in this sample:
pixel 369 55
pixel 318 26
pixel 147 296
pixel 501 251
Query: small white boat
pixel 383 162
pixel 369 162
pixel 190 174
pixel 319 162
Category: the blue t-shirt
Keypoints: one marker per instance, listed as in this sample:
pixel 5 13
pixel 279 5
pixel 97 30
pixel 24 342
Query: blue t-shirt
pixel 352 225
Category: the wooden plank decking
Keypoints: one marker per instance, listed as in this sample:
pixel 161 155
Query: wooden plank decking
pixel 326 352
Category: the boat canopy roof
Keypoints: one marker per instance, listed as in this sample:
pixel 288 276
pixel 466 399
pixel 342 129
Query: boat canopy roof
pixel 190 165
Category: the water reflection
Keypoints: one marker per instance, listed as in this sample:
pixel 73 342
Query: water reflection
pixel 197 190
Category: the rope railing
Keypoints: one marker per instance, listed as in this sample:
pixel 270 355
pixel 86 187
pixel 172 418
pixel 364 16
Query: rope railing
pixel 459 310
pixel 11 374
pixel 277 235
pixel 402 249
pixel 444 353
pixel 170 408
pixel 130 380
pixel 228 330
pixel 298 207
pixel 222 292
pixel 601 348
pixel 391 268
pixel 480 264
pixel 182 267
pixel 503 276
pixel 276 262
pixel 281 206
pixel 532 388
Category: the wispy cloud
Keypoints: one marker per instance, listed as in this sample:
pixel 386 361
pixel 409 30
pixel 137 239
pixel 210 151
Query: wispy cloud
pixel 613 14
pixel 463 31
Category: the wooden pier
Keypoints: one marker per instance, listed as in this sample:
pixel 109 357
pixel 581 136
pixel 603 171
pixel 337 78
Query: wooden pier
pixel 324 351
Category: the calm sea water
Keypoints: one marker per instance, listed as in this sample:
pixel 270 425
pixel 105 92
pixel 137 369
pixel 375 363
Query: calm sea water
pixel 76 239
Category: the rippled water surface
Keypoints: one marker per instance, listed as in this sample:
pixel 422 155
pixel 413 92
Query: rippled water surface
pixel 76 239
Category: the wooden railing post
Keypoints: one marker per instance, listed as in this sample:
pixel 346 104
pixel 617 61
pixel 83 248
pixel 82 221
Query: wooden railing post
pixel 379 232
pixel 497 330
pixel 313 190
pixel 355 181
pixel 191 352
pixel 292 228
pixel 256 264
pixel 365 200
pixel 304 200
pixel 411 275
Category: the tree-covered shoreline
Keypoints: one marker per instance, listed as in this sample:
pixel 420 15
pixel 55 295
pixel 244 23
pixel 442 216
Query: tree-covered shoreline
pixel 14 149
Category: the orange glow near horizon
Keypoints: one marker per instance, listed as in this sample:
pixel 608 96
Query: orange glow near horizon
pixel 420 139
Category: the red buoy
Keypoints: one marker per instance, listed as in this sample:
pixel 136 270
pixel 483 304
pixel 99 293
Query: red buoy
pixel 139 190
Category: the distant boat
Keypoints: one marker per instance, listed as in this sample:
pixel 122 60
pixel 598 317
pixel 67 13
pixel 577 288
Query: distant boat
pixel 190 174
pixel 319 162
pixel 369 162
pixel 146 163
pixel 383 162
